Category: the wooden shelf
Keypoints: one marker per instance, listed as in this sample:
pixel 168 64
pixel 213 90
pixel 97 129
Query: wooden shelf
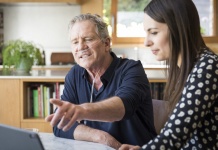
pixel 157 80
pixel 13 109
pixel 33 122
pixel 42 126
pixel 10 104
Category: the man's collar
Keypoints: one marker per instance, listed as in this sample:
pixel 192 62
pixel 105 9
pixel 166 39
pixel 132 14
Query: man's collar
pixel 109 72
pixel 111 69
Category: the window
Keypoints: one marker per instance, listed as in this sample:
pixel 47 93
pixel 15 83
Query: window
pixel 129 18
pixel 205 11
pixel 126 21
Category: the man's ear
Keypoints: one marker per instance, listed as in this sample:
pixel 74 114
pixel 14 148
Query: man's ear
pixel 107 43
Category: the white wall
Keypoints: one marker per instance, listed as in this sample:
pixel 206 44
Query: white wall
pixel 45 24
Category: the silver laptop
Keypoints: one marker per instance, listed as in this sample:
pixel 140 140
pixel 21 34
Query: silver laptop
pixel 12 138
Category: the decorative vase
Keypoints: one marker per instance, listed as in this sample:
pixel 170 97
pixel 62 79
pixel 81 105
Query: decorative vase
pixel 24 66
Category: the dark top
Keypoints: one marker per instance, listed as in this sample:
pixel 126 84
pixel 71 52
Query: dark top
pixel 126 79
pixel 194 122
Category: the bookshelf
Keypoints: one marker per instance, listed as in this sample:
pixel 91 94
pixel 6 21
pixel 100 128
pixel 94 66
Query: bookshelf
pixel 157 80
pixel 157 89
pixel 39 123
pixel 14 96
pixel 28 120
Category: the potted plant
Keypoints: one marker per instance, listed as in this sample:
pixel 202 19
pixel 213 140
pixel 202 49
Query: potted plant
pixel 21 54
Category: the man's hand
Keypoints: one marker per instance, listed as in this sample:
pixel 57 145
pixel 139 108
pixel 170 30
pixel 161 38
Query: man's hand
pixel 67 113
pixel 129 147
pixel 85 133
pixel 105 138
pixel 109 110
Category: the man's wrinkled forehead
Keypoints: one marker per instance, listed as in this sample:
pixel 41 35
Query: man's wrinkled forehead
pixel 83 29
pixel 86 25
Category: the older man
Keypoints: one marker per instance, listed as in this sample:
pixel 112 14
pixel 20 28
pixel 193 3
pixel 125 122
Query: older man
pixel 106 99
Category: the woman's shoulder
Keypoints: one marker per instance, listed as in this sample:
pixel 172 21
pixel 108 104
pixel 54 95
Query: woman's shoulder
pixel 207 61
pixel 208 55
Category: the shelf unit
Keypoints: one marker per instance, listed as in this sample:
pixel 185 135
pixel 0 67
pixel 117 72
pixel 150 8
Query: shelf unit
pixel 10 104
pixel 40 123
pixel 13 108
pixel 31 122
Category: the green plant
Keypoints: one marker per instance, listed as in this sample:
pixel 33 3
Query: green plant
pixel 18 52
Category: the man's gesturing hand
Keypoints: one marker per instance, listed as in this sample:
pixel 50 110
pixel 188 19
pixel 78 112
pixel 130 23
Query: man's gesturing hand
pixel 67 113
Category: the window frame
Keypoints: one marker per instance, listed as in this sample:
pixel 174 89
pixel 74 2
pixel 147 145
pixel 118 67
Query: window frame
pixel 140 40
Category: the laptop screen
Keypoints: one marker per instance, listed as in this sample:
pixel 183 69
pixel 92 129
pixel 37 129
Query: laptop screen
pixel 12 138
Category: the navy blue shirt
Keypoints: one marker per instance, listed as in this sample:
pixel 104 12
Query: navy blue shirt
pixel 126 79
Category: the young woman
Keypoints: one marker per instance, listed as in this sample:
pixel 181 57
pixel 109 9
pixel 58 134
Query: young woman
pixel 173 33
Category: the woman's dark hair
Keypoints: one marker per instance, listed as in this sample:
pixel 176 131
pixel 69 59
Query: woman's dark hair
pixel 182 19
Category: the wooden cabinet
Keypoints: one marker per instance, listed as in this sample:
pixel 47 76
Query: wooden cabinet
pixel 31 122
pixel 10 102
pixel 39 123
pixel 92 6
pixel 14 97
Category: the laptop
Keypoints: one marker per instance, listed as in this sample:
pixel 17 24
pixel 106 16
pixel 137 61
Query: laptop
pixel 12 138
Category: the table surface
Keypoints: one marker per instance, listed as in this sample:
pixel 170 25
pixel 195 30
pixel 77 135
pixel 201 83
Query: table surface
pixel 51 142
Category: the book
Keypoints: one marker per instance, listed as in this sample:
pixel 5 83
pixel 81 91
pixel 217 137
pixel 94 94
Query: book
pixel 42 100
pixel 39 102
pixel 61 89
pixel 57 94
pixel 157 90
pixel 29 102
pixel 35 103
pixel 49 96
pixel 45 101
pixel 47 105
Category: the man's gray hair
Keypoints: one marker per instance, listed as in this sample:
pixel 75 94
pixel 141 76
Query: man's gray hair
pixel 101 26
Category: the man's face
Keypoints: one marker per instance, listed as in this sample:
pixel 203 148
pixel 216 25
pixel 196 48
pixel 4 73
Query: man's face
pixel 88 49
